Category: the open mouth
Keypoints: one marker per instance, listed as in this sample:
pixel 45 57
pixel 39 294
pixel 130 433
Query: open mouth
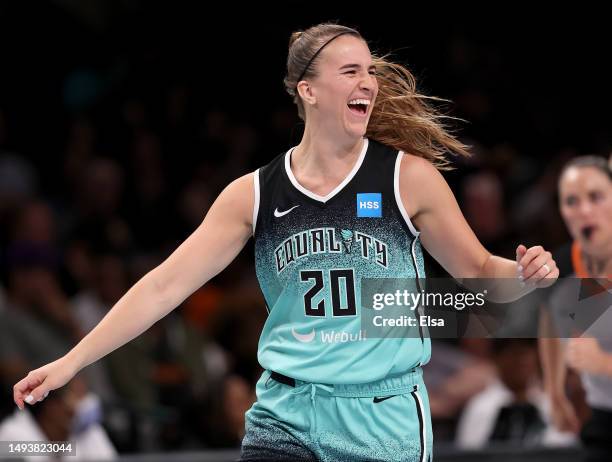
pixel 359 106
pixel 587 232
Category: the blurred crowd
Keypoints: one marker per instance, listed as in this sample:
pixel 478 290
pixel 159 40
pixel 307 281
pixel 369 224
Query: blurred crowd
pixel 130 173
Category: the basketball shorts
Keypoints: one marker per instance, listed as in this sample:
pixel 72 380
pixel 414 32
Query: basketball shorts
pixel 386 420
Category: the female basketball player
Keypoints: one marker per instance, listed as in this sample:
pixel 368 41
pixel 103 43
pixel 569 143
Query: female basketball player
pixel 344 205
pixel 585 201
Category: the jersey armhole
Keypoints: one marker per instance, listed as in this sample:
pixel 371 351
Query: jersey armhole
pixel 398 196
pixel 256 201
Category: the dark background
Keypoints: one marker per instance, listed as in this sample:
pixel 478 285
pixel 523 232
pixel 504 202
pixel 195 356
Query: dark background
pixel 124 119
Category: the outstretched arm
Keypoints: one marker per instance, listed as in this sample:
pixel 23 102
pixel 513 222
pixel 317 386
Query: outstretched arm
pixel 212 246
pixel 449 239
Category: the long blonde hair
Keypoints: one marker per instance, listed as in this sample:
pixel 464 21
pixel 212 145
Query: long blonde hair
pixel 401 118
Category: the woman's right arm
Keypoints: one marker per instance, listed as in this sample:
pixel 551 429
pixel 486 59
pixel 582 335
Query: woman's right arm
pixel 210 248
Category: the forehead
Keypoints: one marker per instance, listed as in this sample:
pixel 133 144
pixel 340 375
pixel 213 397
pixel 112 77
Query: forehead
pixel 346 49
pixel 576 179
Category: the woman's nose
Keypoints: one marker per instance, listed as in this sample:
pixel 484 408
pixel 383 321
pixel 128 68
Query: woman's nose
pixel 585 208
pixel 366 82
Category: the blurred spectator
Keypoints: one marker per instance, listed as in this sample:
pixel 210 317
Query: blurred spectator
pixel 512 409
pixel 454 375
pixel 194 202
pixel 483 206
pixel 35 223
pixel 236 329
pixel 37 322
pixel 149 210
pixel 18 182
pixel 110 282
pixel 224 422
pixel 79 151
pixel 98 218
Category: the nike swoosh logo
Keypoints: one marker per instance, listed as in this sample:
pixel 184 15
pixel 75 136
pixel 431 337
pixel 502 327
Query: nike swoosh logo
pixel 378 399
pixel 278 214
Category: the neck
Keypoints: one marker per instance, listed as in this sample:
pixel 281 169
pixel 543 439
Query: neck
pixel 598 266
pixel 596 262
pixel 319 152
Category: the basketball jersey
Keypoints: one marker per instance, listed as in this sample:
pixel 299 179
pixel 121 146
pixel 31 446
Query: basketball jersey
pixel 311 255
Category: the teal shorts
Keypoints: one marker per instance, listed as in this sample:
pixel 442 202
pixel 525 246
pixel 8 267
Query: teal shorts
pixel 292 420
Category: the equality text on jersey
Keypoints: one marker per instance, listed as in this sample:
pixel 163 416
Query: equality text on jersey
pixel 319 241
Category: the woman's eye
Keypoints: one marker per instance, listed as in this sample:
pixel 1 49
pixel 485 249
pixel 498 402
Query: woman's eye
pixel 571 201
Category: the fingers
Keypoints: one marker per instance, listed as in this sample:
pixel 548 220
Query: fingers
pixel 18 395
pixel 37 395
pixel 564 416
pixel 539 268
pixel 520 252
pixel 30 390
pixel 528 257
pixel 569 423
pixel 22 388
pixel 564 424
pixel 535 265
pixel 571 419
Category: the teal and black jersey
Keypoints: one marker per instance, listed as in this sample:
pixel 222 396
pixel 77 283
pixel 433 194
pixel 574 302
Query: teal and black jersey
pixel 312 253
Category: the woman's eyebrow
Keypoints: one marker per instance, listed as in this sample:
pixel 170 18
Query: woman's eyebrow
pixel 356 66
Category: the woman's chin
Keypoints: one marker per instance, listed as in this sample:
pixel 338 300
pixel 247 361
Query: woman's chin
pixel 592 246
pixel 357 130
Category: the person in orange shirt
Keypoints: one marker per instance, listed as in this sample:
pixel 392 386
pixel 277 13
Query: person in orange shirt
pixel 585 201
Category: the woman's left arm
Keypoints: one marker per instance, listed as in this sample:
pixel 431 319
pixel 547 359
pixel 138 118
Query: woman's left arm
pixel 446 235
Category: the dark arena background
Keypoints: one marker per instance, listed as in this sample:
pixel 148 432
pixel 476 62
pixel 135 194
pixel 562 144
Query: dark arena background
pixel 121 121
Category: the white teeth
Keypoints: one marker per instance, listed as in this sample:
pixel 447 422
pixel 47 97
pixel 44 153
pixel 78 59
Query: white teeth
pixel 360 101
